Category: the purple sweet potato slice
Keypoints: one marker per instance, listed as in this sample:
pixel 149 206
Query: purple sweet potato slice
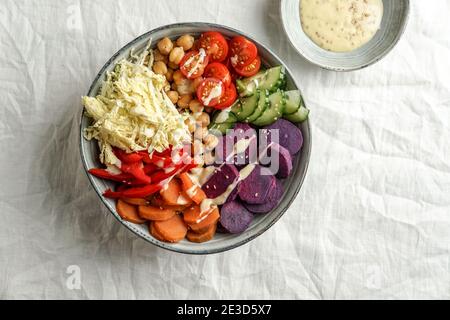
pixel 290 136
pixel 256 188
pixel 221 179
pixel 278 159
pixel 235 218
pixel 245 152
pixel 271 203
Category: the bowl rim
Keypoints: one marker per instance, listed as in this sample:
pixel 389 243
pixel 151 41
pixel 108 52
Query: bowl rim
pixel 159 244
pixel 376 59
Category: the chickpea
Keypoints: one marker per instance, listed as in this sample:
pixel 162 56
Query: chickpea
pixel 169 75
pixel 185 87
pixel 196 82
pixel 211 141
pixel 173 66
pixel 160 67
pixel 200 133
pixel 165 46
pixel 173 96
pixel 178 77
pixel 209 158
pixel 176 55
pixel 190 124
pixel 196 106
pixel 204 119
pixel 199 148
pixel 174 87
pixel 158 56
pixel 184 100
pixel 186 42
pixel 199 160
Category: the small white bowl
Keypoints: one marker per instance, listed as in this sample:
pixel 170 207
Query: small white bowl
pixel 395 18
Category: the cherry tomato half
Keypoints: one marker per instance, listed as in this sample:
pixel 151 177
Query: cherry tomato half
pixel 219 71
pixel 243 52
pixel 210 91
pixel 228 99
pixel 215 45
pixel 250 70
pixel 194 63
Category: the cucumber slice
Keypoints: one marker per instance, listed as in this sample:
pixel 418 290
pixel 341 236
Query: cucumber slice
pixel 222 128
pixel 299 116
pixel 224 116
pixel 263 103
pixel 293 101
pixel 274 111
pixel 247 87
pixel 249 105
pixel 236 107
pixel 273 79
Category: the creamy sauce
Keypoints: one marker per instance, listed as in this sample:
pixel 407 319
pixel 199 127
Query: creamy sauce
pixel 341 25
pixel 169 169
pixel 192 191
pixel 242 145
pixel 216 92
pixel 223 115
pixel 182 200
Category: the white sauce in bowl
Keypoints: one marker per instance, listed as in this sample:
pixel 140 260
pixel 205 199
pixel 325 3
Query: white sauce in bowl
pixel 341 25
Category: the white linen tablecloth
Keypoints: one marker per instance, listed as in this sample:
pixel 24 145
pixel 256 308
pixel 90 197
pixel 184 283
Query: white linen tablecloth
pixel 371 221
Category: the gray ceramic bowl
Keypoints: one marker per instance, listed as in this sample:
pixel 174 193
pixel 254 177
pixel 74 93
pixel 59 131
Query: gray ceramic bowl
pixel 395 18
pixel 222 242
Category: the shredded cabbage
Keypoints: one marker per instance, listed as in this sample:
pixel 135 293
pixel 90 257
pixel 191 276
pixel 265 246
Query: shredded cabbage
pixel 132 111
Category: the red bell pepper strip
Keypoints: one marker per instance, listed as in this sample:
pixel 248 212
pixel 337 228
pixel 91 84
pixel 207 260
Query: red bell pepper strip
pixel 156 159
pixel 136 170
pixel 127 157
pixel 163 175
pixel 113 195
pixel 145 157
pixel 162 162
pixel 150 168
pixel 177 169
pixel 104 174
pixel 122 187
pixel 142 193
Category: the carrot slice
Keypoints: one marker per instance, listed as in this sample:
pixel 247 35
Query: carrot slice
pixel 128 212
pixel 202 237
pixel 135 202
pixel 156 213
pixel 155 233
pixel 173 194
pixel 172 230
pixel 203 225
pixel 158 201
pixel 192 214
pixel 192 190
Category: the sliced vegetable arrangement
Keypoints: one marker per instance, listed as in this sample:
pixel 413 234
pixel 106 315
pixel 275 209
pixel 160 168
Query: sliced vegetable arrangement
pixel 163 123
